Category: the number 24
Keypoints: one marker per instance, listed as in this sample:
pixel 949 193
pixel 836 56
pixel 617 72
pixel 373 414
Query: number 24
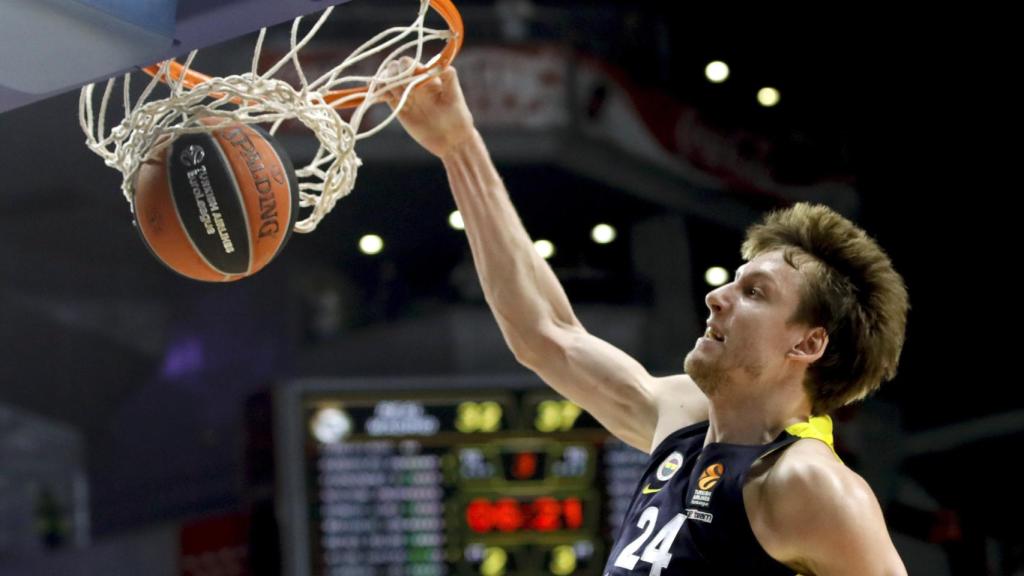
pixel 657 552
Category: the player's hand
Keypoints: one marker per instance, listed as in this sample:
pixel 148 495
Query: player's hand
pixel 435 114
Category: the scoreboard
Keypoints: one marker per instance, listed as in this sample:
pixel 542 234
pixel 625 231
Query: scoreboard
pixel 488 477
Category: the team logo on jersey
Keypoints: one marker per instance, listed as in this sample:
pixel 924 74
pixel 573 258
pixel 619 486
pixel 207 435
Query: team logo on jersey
pixel 707 482
pixel 669 466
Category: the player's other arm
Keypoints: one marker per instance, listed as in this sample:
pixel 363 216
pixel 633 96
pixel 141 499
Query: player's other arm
pixel 527 300
pixel 533 312
pixel 827 521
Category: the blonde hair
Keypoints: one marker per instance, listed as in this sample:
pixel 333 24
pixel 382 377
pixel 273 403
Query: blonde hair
pixel 851 290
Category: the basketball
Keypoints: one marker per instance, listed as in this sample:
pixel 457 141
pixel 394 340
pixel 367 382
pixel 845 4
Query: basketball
pixel 217 206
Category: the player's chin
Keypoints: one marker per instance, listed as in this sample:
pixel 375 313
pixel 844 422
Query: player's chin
pixel 693 363
pixel 705 372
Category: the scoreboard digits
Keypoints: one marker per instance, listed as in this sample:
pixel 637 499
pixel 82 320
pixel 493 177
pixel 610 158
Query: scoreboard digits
pixel 489 483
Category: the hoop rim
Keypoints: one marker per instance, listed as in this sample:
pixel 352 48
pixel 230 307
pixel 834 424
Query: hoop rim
pixel 192 78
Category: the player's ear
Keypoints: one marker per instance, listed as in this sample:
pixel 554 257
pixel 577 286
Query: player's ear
pixel 810 347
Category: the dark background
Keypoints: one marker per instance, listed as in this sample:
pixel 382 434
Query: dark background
pixel 155 371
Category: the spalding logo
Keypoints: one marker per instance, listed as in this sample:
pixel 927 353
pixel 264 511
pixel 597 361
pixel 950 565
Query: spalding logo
pixel 278 174
pixel 193 155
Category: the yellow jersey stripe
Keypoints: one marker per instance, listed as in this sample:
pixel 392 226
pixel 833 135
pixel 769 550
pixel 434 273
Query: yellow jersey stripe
pixel 818 428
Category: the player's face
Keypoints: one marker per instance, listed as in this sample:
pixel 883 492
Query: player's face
pixel 749 330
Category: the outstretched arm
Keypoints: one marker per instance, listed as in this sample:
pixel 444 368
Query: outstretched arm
pixel 526 298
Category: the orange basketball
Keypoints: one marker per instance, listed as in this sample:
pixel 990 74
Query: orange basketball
pixel 217 206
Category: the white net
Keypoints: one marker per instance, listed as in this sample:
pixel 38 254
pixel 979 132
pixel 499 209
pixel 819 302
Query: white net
pixel 151 123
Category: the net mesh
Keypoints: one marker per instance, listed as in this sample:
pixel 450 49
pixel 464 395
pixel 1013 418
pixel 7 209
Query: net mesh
pixel 169 107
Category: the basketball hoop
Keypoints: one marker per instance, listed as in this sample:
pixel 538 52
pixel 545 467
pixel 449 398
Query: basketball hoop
pixel 200 103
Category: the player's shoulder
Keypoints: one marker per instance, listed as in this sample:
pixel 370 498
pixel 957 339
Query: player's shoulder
pixel 807 473
pixel 808 496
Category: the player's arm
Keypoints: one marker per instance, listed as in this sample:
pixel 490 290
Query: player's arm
pixel 827 521
pixel 526 298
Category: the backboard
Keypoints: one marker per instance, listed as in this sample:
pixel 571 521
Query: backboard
pixel 52 46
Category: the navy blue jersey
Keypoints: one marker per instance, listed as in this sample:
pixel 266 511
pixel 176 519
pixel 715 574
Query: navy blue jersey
pixel 687 516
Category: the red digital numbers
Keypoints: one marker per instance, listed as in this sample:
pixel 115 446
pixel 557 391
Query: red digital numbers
pixel 479 516
pixel 508 517
pixel 544 514
pixel 525 466
pixel 572 508
pixel 547 515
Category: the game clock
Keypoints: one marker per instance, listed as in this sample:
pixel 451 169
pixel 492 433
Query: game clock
pixel 480 481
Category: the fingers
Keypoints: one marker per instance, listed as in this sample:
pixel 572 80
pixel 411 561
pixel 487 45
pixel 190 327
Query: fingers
pixel 406 63
pixel 392 71
pixel 398 71
pixel 403 69
pixel 449 75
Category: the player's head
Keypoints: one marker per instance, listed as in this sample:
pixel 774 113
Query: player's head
pixel 850 289
pixel 817 292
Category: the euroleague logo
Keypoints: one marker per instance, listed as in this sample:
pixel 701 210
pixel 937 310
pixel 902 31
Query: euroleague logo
pixel 706 483
pixel 192 156
pixel 710 477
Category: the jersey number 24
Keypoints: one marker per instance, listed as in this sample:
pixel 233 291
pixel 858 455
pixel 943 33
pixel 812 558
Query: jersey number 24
pixel 656 553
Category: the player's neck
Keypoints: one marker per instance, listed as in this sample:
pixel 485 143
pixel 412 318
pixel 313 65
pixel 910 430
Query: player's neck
pixel 755 419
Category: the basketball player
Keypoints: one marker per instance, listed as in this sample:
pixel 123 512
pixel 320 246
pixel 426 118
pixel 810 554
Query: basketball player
pixel 742 477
